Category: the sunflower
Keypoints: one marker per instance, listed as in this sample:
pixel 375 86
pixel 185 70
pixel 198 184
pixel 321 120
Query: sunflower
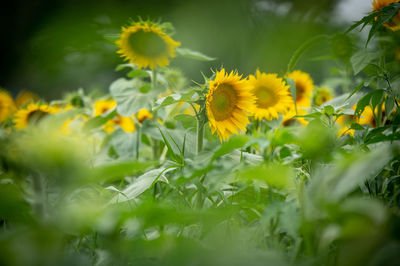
pixel 145 44
pixel 25 97
pixel 103 106
pixel 144 114
pixel 321 96
pixel 7 105
pixel 228 102
pixel 304 87
pixel 32 114
pixel 289 118
pixel 272 95
pixel 393 25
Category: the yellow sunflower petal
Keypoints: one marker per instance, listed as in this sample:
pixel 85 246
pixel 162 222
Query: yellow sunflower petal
pixel 272 95
pixel 304 87
pixel 228 103
pixel 146 45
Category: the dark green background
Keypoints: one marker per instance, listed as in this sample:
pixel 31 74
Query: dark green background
pixel 51 47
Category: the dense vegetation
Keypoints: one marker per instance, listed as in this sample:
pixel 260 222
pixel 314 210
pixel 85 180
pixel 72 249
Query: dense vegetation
pixel 261 170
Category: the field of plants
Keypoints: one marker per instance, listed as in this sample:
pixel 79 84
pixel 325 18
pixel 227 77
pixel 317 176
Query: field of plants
pixel 234 169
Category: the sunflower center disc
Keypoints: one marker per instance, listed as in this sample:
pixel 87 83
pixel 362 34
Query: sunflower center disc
pixel 148 44
pixel 300 90
pixel 265 97
pixel 223 102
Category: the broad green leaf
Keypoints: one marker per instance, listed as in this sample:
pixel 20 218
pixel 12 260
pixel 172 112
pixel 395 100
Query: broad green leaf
pixel 129 97
pixel 173 98
pixel 188 121
pixel 184 52
pixel 376 97
pixel 140 185
pixel 138 73
pixel 233 143
pixel 98 121
pixel 361 59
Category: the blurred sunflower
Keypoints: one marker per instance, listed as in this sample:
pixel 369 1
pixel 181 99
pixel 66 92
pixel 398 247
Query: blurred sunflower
pixel 143 114
pixel 321 96
pixel 272 95
pixel 290 119
pixel 393 25
pixel 25 97
pixel 304 87
pixel 32 114
pixel 7 105
pixel 145 44
pixel 103 106
pixel 228 102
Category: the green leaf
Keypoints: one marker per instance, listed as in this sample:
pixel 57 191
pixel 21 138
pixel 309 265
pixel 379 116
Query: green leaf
pixel 184 52
pixel 362 103
pixel 292 87
pixel 233 143
pixel 129 97
pixel 118 170
pixel 138 73
pixel 376 97
pixel 140 185
pixel 98 121
pixel 389 104
pixel 359 87
pixel 188 121
pixel 361 59
pixel 365 20
pixel 173 98
pixel 385 15
pixel 356 126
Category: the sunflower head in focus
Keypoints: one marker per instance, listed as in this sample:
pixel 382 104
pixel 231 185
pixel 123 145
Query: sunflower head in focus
pixel 393 25
pixel 146 45
pixel 32 114
pixel 272 95
pixel 304 87
pixel 125 123
pixel 143 114
pixel 7 105
pixel 321 96
pixel 228 102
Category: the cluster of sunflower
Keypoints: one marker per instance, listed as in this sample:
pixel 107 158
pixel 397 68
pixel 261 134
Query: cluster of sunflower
pixel 231 99
pixel 28 110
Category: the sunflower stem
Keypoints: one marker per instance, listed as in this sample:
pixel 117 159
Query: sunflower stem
pixel 200 134
pixel 155 116
pixel 138 132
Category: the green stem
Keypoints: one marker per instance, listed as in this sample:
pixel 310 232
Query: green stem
pixel 156 144
pixel 200 134
pixel 138 132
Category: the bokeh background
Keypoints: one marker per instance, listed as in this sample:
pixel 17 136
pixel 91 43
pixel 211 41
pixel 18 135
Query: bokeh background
pixel 52 47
